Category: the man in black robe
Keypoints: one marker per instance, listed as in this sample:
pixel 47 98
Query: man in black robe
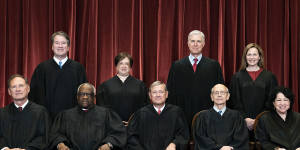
pixel 191 78
pixel 23 124
pixel 87 126
pixel 158 126
pixel 54 82
pixel 220 128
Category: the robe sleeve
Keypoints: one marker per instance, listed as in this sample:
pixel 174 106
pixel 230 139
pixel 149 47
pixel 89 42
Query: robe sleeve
pixel 58 132
pixel 133 142
pixel 220 78
pixel 3 142
pixel 202 140
pixel 182 132
pixel 37 87
pixel 272 83
pixel 144 95
pixel 235 97
pixel 42 132
pixel 240 137
pixel 82 76
pixel 262 135
pixel 171 86
pixel 100 96
pixel 115 130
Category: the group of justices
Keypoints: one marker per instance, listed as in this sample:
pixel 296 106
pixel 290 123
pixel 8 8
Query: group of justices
pixel 160 118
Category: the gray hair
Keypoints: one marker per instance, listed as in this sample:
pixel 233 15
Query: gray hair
pixel 196 32
pixel 157 83
pixel 91 85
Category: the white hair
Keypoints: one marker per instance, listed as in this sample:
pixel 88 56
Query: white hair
pixel 197 32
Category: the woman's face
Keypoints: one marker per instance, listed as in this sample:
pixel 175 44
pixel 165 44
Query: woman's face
pixel 252 57
pixel 281 104
pixel 123 67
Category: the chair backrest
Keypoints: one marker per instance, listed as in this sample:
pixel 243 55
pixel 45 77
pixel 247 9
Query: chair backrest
pixel 257 143
pixel 257 119
pixel 192 143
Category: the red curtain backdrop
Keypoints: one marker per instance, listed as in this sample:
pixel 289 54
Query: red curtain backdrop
pixel 153 31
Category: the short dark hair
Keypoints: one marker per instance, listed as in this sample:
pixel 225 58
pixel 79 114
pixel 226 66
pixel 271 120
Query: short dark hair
pixel 288 93
pixel 15 76
pixel 122 56
pixel 61 33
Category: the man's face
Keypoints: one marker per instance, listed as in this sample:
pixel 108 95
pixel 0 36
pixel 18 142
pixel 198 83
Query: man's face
pixel 18 89
pixel 60 46
pixel 123 67
pixel 85 96
pixel 219 94
pixel 158 95
pixel 195 44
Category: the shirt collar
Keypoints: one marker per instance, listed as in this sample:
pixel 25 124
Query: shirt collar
pixel 161 109
pixel 217 110
pixel 23 106
pixel 191 58
pixel 63 61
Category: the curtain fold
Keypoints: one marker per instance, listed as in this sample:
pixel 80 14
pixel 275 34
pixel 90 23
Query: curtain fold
pixel 154 32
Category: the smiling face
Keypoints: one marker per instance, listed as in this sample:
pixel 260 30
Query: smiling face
pixel 281 104
pixel 123 67
pixel 252 57
pixel 18 89
pixel 85 96
pixel 195 44
pixel 60 46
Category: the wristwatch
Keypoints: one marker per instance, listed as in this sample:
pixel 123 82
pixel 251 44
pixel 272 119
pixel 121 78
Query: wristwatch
pixel 110 145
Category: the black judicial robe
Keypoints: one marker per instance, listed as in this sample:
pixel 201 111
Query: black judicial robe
pixel 27 129
pixel 212 131
pixel 56 88
pixel 191 90
pixel 272 131
pixel 150 131
pixel 81 130
pixel 248 96
pixel 124 98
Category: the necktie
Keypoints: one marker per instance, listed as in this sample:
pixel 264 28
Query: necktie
pixel 60 64
pixel 195 64
pixel 220 112
pixel 20 108
pixel 158 111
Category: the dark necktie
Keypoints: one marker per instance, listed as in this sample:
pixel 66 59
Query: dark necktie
pixel 220 112
pixel 20 108
pixel 60 64
pixel 195 64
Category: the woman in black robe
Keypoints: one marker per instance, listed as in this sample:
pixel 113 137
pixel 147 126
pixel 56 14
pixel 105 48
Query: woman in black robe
pixel 279 128
pixel 123 93
pixel 250 87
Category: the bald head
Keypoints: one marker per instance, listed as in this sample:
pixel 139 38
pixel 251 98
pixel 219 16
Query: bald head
pixel 219 86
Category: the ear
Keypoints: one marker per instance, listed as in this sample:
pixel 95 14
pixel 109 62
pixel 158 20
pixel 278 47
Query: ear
pixel 167 94
pixel 228 96
pixel 9 92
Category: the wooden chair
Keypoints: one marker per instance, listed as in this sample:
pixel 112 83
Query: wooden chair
pixel 130 118
pixel 192 142
pixel 257 144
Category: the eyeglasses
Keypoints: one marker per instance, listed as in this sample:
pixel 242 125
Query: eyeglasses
pixel 81 94
pixel 219 93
